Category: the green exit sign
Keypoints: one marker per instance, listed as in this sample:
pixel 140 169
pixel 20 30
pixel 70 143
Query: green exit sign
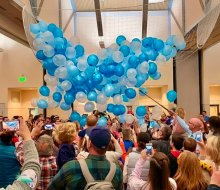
pixel 22 79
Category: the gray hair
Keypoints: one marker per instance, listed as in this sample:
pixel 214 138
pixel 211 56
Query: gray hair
pixel 45 145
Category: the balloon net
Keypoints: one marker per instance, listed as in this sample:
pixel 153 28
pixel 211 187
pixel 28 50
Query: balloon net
pixel 206 26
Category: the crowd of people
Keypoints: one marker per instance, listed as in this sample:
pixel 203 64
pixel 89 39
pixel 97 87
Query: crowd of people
pixel 167 154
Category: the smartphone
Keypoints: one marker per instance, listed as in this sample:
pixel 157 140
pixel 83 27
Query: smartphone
pixel 149 148
pixel 198 137
pixel 11 125
pixel 48 127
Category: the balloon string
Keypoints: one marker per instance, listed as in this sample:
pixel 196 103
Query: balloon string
pixel 154 101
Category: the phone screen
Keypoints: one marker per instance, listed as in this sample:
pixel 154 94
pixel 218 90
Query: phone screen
pixel 149 148
pixel 48 127
pixel 198 137
pixel 10 125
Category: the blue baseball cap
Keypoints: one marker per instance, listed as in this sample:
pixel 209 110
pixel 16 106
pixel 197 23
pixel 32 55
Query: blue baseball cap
pixel 100 137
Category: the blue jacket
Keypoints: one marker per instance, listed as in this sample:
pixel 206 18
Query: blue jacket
pixel 213 187
pixel 9 165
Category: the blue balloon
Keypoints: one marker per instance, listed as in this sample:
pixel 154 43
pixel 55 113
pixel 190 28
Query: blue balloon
pixel 171 96
pixel 152 68
pixel 156 76
pixel 133 61
pixel 152 54
pixel 92 96
pixel 65 106
pixel 130 93
pixel 35 28
pixel 110 108
pixel 120 39
pixel 69 98
pixel 79 80
pixel 147 42
pixel 141 80
pixel 58 33
pixel 136 40
pixel 93 60
pixel 119 70
pixel 141 111
pixel 40 55
pixel 72 70
pixel 142 57
pixel 75 116
pixel 170 40
pixel 116 110
pixel 158 44
pixel 125 50
pixel 52 27
pixel 90 71
pixel 79 50
pixel 57 96
pixel 125 98
pixel 97 78
pixel 49 65
pixel 122 109
pixel 142 91
pixel 102 122
pixel 42 104
pixel 83 121
pixel 44 91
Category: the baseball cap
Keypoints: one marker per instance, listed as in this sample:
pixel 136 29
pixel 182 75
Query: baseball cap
pixel 100 137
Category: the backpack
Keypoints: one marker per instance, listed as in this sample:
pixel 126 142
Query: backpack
pixel 93 184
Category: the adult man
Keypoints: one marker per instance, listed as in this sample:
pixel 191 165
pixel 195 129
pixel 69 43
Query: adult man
pixel 70 176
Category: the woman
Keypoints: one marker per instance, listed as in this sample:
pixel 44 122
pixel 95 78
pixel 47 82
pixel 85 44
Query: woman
pixel 177 128
pixel 158 177
pixel 189 174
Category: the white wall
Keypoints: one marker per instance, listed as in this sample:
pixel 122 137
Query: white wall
pixel 211 76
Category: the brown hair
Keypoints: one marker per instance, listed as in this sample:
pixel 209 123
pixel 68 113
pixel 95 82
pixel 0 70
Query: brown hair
pixel 127 134
pixel 188 177
pixel 190 144
pixel 159 170
pixel 180 112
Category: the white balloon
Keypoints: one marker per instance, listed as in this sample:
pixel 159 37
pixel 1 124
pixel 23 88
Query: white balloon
pixel 117 99
pixel 143 128
pixel 66 85
pixel 52 104
pixel 34 102
pixel 129 118
pixel 161 60
pixel 102 99
pixel 156 113
pixel 89 107
pixel 101 107
pixel 81 97
pixel 102 54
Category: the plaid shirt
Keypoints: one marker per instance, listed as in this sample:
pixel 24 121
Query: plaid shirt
pixel 48 167
pixel 70 175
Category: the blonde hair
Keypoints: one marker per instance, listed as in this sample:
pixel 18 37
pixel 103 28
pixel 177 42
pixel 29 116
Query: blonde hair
pixel 188 177
pixel 180 112
pixel 213 148
pixel 65 133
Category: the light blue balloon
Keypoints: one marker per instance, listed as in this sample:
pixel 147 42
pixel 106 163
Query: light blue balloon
pixel 70 52
pixel 131 73
pixel 92 96
pixel 43 26
pixel 72 70
pixel 44 91
pixel 141 80
pixel 65 106
pixel 59 43
pixel 142 91
pixel 109 90
pixel 143 67
pixel 82 64
pixel 167 50
pixel 75 116
pixel 48 37
pixel 173 53
pixel 35 28
pixel 171 96
pixel 122 118
pixel 141 121
pixel 61 72
pixel 156 76
pixel 59 60
pixel 66 85
pixel 89 107
pixel 125 98
pixel 42 104
pixel 48 51
pixel 170 40
pixel 102 122
pixel 117 56
pixel 141 111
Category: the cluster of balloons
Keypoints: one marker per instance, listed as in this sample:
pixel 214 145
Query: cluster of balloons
pixel 115 72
